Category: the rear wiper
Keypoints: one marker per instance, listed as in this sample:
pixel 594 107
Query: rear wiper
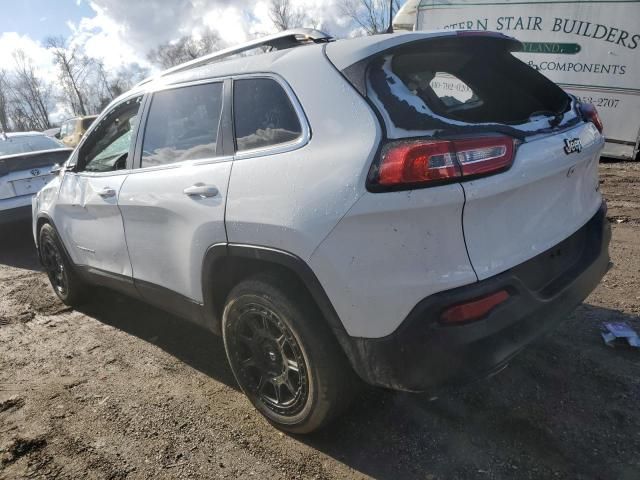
pixel 557 118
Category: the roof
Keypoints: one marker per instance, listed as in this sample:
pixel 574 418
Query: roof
pixel 346 51
pixel 342 54
pixel 247 64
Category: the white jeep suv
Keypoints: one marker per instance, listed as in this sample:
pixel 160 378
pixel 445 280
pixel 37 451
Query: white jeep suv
pixel 408 209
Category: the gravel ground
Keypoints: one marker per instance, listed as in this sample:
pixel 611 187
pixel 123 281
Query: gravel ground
pixel 122 390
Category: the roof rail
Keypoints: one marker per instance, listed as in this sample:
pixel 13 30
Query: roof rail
pixel 279 41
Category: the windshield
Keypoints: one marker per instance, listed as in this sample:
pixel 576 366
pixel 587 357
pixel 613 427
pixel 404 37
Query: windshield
pixel 27 143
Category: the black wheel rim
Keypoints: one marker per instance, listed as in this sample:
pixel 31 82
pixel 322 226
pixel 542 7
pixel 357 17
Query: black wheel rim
pixel 268 360
pixel 54 266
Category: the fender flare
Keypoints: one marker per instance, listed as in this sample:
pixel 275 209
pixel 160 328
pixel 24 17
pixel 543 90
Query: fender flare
pixel 218 253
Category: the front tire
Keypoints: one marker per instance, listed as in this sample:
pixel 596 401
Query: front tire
pixel 65 282
pixel 283 355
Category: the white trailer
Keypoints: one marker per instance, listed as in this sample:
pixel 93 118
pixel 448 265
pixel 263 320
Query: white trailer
pixel 590 48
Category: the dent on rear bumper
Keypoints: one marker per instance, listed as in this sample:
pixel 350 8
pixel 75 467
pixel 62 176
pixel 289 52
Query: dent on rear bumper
pixel 423 355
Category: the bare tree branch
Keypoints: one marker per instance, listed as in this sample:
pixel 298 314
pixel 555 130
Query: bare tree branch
pixel 4 101
pixel 73 67
pixel 31 95
pixel 372 16
pixel 184 49
pixel 284 16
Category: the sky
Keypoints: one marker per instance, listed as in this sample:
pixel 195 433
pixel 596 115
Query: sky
pixel 40 18
pixel 121 32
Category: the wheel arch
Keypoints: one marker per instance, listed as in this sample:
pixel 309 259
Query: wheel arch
pixel 44 219
pixel 227 264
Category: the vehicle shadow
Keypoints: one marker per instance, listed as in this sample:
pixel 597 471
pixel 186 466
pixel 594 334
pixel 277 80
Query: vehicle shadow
pixel 17 248
pixel 193 345
pixel 543 417
pixel 495 428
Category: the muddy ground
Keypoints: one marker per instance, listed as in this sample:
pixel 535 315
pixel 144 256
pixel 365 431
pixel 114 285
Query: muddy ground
pixel 122 390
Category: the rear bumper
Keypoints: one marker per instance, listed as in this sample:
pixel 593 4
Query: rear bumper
pixel 11 213
pixel 424 355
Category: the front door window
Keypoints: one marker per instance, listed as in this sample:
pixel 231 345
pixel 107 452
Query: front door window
pixel 107 148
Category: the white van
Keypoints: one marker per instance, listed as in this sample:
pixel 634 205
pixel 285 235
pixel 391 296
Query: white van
pixel 589 48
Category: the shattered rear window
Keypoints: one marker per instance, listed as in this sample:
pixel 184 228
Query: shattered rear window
pixel 481 85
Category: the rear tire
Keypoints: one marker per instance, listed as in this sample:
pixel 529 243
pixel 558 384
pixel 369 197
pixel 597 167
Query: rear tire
pixel 284 356
pixel 65 281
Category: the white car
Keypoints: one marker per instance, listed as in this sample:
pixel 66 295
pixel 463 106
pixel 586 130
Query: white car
pixel 334 217
pixel 26 160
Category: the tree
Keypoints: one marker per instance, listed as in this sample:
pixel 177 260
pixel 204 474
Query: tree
pixel 108 87
pixel 370 15
pixel 29 95
pixel 284 16
pixel 4 101
pixel 184 49
pixel 74 70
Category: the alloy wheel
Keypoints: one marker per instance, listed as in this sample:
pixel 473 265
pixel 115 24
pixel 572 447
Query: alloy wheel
pixel 268 360
pixel 54 266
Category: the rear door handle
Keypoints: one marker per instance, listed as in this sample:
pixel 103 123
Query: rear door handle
pixel 201 190
pixel 107 192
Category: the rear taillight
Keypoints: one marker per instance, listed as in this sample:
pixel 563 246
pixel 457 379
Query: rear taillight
pixel 418 162
pixel 590 114
pixel 473 309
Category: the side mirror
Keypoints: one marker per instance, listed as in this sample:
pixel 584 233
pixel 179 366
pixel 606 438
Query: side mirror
pixel 55 169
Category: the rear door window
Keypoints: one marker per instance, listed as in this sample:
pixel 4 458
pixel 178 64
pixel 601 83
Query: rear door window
pixel 182 125
pixel 263 114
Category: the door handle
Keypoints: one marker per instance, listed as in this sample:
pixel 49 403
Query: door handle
pixel 201 190
pixel 107 192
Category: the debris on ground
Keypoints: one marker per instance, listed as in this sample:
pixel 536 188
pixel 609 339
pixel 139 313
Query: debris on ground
pixel 11 402
pixel 20 447
pixel 617 334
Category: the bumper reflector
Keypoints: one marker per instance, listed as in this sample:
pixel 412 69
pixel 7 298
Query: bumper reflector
pixel 473 309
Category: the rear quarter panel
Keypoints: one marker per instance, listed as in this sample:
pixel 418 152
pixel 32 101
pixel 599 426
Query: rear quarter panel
pixel 389 252
pixel 291 201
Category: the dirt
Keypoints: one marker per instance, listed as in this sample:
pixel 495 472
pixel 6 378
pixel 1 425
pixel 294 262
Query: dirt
pixel 120 390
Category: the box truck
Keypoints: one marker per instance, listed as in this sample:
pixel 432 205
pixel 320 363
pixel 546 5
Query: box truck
pixel 589 48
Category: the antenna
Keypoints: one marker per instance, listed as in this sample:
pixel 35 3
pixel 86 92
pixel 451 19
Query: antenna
pixel 278 41
pixel 390 27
